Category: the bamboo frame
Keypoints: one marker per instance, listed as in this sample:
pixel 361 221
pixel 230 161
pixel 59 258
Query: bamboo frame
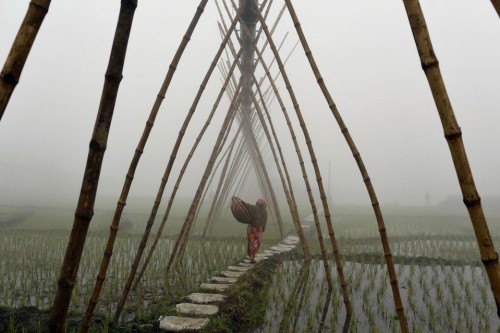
pixel 84 210
pixel 331 233
pixel 453 135
pixel 21 47
pixel 133 166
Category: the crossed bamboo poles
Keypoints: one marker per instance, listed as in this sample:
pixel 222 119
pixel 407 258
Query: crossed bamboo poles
pixel 83 215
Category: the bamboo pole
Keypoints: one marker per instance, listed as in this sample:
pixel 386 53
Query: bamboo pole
pixel 331 233
pixel 453 135
pixel 496 5
pixel 133 166
pixel 13 67
pixel 181 174
pixel 189 218
pixel 84 210
pixel 166 175
pixel 369 186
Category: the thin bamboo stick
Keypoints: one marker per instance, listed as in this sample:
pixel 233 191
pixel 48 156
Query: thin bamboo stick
pixel 326 210
pixel 84 210
pixel 369 186
pixel 181 173
pixel 166 175
pixel 133 166
pixel 453 135
pixel 13 67
pixel 190 216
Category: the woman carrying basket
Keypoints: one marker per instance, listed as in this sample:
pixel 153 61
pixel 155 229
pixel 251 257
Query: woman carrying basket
pixel 256 217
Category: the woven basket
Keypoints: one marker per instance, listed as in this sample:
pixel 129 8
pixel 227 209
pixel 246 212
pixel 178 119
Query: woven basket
pixel 241 210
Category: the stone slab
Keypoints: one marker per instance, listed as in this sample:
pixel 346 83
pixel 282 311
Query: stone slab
pixel 218 279
pixel 293 238
pixel 271 252
pixel 246 264
pixel 289 242
pixel 238 268
pixel 231 274
pixel 181 324
pixel 203 298
pixel 280 249
pixel 197 310
pixel 215 286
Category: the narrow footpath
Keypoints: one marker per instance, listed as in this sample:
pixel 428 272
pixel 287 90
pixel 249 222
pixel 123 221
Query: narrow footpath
pixel 195 313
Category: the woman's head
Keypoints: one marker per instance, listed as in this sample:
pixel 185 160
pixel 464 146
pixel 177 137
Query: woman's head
pixel 262 202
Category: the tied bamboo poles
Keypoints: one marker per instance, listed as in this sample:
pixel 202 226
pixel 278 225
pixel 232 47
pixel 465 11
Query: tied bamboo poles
pixel 133 166
pixel 166 175
pixel 287 189
pixel 336 253
pixel 369 186
pixel 302 166
pixel 453 135
pixel 11 71
pixel 84 210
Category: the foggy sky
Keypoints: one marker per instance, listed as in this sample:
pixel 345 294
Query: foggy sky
pixel 364 49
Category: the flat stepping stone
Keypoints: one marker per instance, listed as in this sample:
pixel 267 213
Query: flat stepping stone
pixel 202 298
pixel 215 286
pixel 218 279
pixel 289 242
pixel 271 252
pixel 180 324
pixel 238 268
pixel 246 264
pixel 194 310
pixel 231 274
pixel 280 249
pixel 293 238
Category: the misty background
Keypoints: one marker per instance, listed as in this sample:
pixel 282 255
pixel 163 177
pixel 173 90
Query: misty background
pixel 364 49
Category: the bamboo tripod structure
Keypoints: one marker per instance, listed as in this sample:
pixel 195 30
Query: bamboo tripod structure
pixel 243 155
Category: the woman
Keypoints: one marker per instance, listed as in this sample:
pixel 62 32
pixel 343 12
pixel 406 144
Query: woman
pixel 256 228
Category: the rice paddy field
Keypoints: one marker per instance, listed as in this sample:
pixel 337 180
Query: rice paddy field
pixel 442 281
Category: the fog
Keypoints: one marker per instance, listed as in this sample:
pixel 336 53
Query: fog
pixel 364 49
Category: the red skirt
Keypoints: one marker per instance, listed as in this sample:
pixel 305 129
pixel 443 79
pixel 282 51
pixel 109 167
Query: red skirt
pixel 254 236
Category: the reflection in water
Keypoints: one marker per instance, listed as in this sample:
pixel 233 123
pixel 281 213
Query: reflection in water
pixel 292 308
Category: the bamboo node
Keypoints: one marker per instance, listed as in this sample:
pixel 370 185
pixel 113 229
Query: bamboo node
pixel 366 179
pixel 454 136
pixel 433 63
pixel 65 283
pixel 85 216
pixel 344 130
pixel 490 259
pixel 472 203
pixel 9 79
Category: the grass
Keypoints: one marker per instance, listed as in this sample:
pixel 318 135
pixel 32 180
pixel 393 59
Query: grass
pixel 443 284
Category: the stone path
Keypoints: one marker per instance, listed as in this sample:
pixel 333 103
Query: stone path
pixel 194 314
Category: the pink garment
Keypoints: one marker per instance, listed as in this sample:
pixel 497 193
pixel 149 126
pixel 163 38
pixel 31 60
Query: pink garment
pixel 254 236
